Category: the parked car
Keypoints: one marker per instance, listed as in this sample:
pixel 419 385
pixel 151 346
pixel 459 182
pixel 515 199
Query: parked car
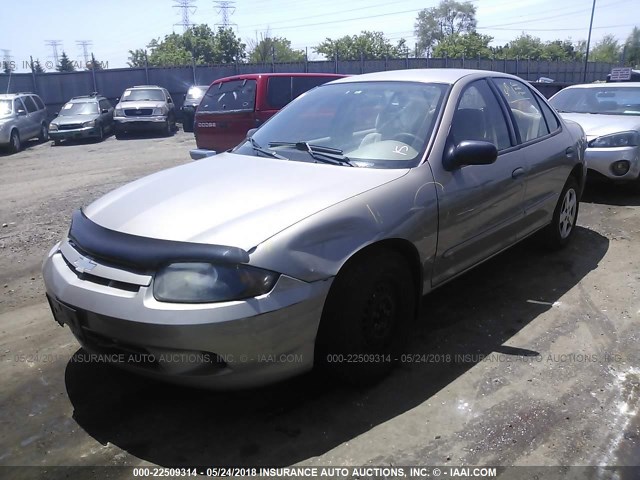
pixel 145 108
pixel 192 99
pixel 312 242
pixel 23 116
pixel 234 105
pixel 88 116
pixel 610 115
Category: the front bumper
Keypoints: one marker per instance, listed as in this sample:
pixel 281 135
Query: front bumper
pixel 5 133
pixel 141 123
pixel 77 133
pixel 218 345
pixel 601 160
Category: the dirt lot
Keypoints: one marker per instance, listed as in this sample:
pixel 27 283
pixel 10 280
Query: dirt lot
pixel 533 359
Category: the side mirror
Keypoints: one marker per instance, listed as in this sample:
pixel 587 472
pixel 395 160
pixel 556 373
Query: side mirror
pixel 105 110
pixel 469 152
pixel 250 132
pixel 55 114
pixel 184 96
pixel 169 100
pixel 22 112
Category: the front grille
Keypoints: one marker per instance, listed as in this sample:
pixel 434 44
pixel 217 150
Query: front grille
pixel 138 112
pixel 129 287
pixel 70 126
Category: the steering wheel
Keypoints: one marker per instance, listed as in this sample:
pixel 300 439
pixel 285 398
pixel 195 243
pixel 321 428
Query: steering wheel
pixel 403 136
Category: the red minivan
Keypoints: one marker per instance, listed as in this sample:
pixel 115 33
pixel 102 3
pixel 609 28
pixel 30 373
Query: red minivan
pixel 234 105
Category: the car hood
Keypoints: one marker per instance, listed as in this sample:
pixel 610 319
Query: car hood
pixel 230 199
pixel 71 119
pixel 596 125
pixel 141 104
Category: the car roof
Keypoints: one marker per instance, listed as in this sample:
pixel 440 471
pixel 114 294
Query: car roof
pixel 10 96
pixel 255 76
pixel 603 84
pixel 425 75
pixel 145 86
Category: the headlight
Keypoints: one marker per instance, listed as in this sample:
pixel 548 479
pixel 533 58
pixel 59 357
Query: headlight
pixel 205 283
pixel 158 111
pixel 91 123
pixel 622 139
pixel 119 112
pixel 53 127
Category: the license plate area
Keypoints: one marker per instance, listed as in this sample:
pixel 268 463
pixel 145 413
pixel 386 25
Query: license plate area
pixel 63 314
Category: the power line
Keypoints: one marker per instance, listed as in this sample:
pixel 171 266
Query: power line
pixel 54 44
pixel 85 44
pixel 225 8
pixel 188 8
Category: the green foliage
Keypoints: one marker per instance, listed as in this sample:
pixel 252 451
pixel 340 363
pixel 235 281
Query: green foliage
pixel 199 44
pixel 463 45
pixel 36 67
pixel 632 48
pixel 526 46
pixel 65 65
pixel 449 18
pixel 367 46
pixel 606 50
pixel 273 49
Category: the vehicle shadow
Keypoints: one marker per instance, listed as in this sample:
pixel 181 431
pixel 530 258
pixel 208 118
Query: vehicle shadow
pixel 306 417
pixel 26 145
pixel 609 193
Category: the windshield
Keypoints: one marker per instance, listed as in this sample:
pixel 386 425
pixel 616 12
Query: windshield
pixel 368 124
pixel 79 108
pixel 195 93
pixel 138 94
pixel 237 95
pixel 603 100
pixel 5 107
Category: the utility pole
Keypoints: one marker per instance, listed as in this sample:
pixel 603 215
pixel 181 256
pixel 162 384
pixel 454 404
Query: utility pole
pixel 586 57
pixel 188 8
pixel 85 44
pixel 54 44
pixel 225 8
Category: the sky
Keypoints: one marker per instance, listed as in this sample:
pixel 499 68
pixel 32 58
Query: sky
pixel 116 26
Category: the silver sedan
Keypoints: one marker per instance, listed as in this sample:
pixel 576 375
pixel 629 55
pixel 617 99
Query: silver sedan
pixel 610 116
pixel 312 242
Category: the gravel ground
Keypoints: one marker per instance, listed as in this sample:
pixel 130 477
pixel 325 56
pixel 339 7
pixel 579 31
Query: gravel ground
pixel 532 357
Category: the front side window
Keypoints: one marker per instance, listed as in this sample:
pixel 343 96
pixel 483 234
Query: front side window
pixel 372 124
pixel 79 108
pixel 479 117
pixel 18 105
pixel 30 104
pixel 604 100
pixel 140 94
pixel 525 109
pixel 233 96
pixel 39 102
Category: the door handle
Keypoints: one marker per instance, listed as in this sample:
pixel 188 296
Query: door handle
pixel 569 151
pixel 517 173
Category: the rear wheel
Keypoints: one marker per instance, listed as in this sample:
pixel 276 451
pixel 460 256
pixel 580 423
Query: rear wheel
pixel 559 233
pixel 14 142
pixel 187 124
pixel 366 318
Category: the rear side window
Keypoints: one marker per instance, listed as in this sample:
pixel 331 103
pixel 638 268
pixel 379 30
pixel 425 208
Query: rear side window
pixel 552 120
pixel 234 96
pixel 524 107
pixel 39 102
pixel 30 104
pixel 278 92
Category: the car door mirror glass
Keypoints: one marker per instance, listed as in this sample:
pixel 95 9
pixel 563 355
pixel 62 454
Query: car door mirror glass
pixel 22 112
pixel 470 152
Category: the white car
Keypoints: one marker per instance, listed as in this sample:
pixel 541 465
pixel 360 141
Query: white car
pixel 609 113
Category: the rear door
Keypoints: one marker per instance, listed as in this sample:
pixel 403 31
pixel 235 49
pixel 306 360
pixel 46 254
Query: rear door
pixel 34 119
pixel 225 114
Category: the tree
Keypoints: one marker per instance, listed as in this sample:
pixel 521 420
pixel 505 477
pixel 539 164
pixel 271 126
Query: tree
pixel 563 50
pixel 632 48
pixel 523 46
pixel 606 50
pixel 36 67
pixel 367 46
pixel 94 64
pixel 7 68
pixel 463 45
pixel 448 18
pixel 137 58
pixel 65 65
pixel 273 49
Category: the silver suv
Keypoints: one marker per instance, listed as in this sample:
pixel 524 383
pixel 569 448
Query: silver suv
pixel 145 107
pixel 22 116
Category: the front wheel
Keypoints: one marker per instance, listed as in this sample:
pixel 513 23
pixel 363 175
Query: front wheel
pixel 562 227
pixel 14 142
pixel 366 318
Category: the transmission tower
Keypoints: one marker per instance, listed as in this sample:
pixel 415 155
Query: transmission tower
pixel 225 8
pixel 188 8
pixel 85 44
pixel 54 44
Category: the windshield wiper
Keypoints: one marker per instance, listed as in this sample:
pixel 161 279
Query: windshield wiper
pixel 330 155
pixel 257 148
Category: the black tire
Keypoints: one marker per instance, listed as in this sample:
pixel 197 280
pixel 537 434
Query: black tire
pixel 44 133
pixel 118 133
pixel 14 142
pixel 187 124
pixel 366 318
pixel 57 143
pixel 100 136
pixel 168 129
pixel 559 232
